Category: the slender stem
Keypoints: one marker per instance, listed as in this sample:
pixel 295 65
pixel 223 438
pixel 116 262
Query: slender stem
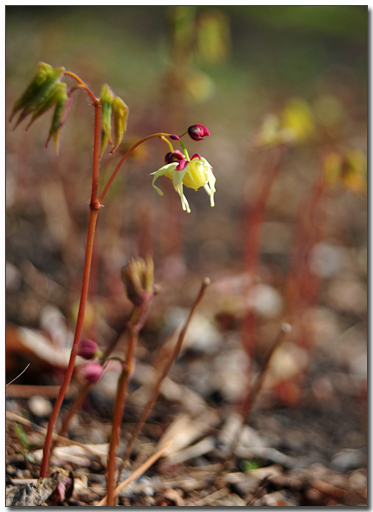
pixel 136 324
pixel 94 210
pixel 252 243
pixel 162 375
pixel 96 158
pixel 78 333
pixel 124 157
pixel 169 144
pixel 85 86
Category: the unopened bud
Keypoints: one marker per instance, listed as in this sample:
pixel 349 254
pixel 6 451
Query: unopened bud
pixel 107 98
pixel 175 156
pixel 88 349
pixel 174 137
pixel 138 278
pixel 92 372
pixel 198 132
pixel 120 113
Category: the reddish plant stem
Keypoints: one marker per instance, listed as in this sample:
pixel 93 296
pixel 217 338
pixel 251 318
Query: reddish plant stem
pixel 136 323
pixel 84 86
pixel 163 373
pixel 94 210
pixel 302 288
pixel 252 243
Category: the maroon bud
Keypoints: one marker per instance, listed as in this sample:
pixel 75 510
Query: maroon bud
pixel 176 156
pixel 196 156
pixel 198 131
pixel 174 137
pixel 92 372
pixel 87 349
pixel 181 165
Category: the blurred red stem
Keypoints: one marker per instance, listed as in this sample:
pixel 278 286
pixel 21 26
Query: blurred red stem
pixel 302 283
pixel 252 242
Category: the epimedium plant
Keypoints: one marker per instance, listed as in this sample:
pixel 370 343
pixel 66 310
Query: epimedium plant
pixel 47 90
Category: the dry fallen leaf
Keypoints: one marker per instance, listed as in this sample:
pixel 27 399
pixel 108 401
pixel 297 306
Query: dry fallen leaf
pixel 56 488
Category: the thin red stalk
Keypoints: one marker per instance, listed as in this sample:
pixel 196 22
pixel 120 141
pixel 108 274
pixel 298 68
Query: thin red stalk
pixel 78 333
pixel 307 234
pixel 124 157
pixel 252 243
pixel 94 210
pixel 120 400
pixel 84 85
pixel 162 375
pixel 303 285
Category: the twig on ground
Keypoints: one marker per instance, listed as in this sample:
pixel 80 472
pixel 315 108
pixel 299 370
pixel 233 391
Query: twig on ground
pixel 137 473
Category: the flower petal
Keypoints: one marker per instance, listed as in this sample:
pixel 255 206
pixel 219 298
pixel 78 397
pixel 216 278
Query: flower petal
pixel 163 171
pixel 184 202
pixel 211 194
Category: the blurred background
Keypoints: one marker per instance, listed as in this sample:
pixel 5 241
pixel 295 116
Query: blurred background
pixel 245 72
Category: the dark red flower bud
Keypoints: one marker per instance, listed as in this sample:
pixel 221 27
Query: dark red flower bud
pixel 92 372
pixel 198 131
pixel 174 137
pixel 88 349
pixel 182 164
pixel 176 156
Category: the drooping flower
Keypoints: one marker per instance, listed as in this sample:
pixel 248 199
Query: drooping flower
pixel 193 173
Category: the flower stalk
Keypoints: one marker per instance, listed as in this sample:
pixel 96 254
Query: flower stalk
pixel 94 210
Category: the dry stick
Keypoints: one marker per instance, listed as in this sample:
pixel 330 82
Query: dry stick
pixel 18 376
pixel 163 374
pixel 136 323
pixel 141 469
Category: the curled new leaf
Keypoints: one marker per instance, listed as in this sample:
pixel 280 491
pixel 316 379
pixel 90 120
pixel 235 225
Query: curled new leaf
pixel 120 112
pixel 107 98
pixel 59 116
pixel 41 93
pixel 32 89
pixel 50 101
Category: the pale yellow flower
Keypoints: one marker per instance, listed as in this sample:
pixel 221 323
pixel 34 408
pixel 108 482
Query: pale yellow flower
pixel 194 173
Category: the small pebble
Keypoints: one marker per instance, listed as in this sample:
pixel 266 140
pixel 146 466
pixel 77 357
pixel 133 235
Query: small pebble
pixel 39 406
